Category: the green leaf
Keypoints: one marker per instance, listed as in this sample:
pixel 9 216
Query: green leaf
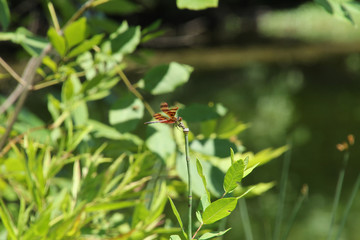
pixel 196 4
pixel 249 170
pixel 165 78
pixel 4 14
pixel 232 156
pixel 126 112
pixel 51 64
pixel 127 41
pixel 254 190
pixel 206 236
pixel 326 5
pixel 67 92
pixel 34 45
pixel 347 14
pixel 109 206
pixel 199 113
pixel 229 126
pixel 103 130
pixel 6 220
pixel 121 7
pixel 219 209
pixel 177 215
pixel 75 33
pixel 201 174
pixel 198 216
pixel 57 41
pixel 266 155
pixel 152 27
pixel 234 176
pixel 160 140
pixel 86 45
pixel 213 175
pixel 212 147
pixel 54 107
pixel 175 237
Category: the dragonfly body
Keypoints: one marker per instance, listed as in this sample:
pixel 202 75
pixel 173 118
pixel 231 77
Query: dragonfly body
pixel 170 115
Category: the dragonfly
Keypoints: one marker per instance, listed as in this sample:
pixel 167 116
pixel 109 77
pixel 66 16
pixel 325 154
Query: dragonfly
pixel 170 113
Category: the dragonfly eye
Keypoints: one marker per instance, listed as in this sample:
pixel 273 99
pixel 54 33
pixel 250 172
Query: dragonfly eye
pixel 180 118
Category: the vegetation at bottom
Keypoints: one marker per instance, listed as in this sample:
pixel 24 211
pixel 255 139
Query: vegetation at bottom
pixel 95 171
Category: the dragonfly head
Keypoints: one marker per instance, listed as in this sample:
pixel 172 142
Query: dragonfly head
pixel 179 119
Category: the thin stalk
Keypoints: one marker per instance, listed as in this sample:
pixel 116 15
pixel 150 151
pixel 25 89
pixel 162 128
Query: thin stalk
pixel 186 133
pixel 12 72
pixel 53 16
pixel 303 195
pixel 338 192
pixel 245 219
pixel 348 206
pixel 201 224
pixel 134 91
pixel 281 200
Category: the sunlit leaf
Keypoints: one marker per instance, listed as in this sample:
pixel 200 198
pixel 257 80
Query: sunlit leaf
pixel 110 206
pixel 326 5
pixel 175 237
pixel 57 41
pixel 6 220
pixel 103 130
pixel 266 155
pixel 210 235
pixel 126 112
pixel 213 147
pixel 234 176
pixel 196 4
pixel 347 14
pixel 165 78
pixel 214 176
pixel 254 190
pixel 219 209
pixel 201 174
pixel 127 41
pixel 160 140
pixel 177 215
pixel 75 33
pixel 85 45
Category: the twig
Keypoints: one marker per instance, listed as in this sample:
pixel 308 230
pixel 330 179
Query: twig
pixel 28 76
pixel 201 224
pixel 79 12
pixel 134 91
pixel 12 72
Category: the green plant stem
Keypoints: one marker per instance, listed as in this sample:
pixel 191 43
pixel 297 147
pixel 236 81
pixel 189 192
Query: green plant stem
pixel 338 193
pixel 304 193
pixel 348 206
pixel 245 219
pixel 186 133
pixel 281 201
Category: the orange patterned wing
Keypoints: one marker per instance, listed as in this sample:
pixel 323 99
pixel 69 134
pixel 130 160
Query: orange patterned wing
pixel 160 117
pixel 163 119
pixel 170 112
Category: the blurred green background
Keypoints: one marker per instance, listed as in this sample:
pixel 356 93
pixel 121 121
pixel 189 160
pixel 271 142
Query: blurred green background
pixel 290 69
